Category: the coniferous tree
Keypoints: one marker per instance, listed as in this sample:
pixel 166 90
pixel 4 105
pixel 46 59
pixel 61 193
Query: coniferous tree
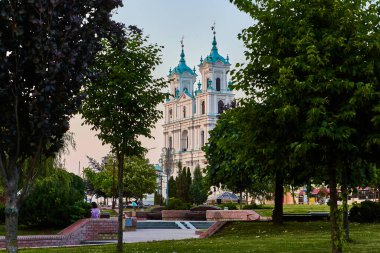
pixel 172 188
pixel 198 191
pixel 188 184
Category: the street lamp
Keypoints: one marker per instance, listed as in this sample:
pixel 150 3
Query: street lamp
pixel 167 161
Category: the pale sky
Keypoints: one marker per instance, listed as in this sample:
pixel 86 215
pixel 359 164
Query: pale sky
pixel 166 21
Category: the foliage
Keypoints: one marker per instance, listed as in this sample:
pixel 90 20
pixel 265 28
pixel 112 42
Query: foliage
pixel 251 207
pixel 366 211
pixel 205 208
pixel 139 177
pixel 182 183
pixel 317 62
pixel 172 187
pixel 121 103
pixel 55 201
pixel 236 160
pixel 198 191
pixel 178 204
pixel 46 48
pixel 230 206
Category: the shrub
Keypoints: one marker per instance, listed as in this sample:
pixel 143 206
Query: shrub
pixel 177 204
pixel 231 206
pixel 205 208
pixel 251 207
pixel 56 200
pixel 366 211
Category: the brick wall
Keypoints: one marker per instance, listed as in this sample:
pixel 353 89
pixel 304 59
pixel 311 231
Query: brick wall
pixel 82 230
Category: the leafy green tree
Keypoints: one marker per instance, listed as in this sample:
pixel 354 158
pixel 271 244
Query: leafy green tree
pixel 46 48
pixel 121 103
pixel 198 191
pixel 55 200
pixel 320 58
pixel 139 177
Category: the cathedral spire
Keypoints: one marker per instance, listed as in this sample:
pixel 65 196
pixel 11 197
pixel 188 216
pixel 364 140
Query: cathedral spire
pixel 214 55
pixel 182 59
pixel 182 67
pixel 214 49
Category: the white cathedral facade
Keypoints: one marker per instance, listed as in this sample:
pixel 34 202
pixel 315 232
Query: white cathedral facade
pixel 194 105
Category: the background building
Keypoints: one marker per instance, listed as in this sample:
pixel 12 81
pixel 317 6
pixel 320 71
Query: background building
pixel 194 105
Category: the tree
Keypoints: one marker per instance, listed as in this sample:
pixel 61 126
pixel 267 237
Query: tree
pixel 172 188
pixel 121 103
pixel 140 177
pixel 198 191
pixel 183 183
pixel 321 59
pixel 46 48
pixel 224 154
pixel 55 200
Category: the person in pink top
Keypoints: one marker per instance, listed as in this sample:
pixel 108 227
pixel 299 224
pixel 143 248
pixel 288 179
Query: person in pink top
pixel 95 212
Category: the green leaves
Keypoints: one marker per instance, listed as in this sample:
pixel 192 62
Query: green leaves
pixel 122 100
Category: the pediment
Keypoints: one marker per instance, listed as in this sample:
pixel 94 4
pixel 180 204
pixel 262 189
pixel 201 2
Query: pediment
pixel 184 96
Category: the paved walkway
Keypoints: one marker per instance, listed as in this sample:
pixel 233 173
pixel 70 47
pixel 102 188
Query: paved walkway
pixel 148 235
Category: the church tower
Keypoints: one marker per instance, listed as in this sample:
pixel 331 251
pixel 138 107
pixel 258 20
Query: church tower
pixel 192 108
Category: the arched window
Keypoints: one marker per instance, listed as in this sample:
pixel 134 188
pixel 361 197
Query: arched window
pixel 220 106
pixel 184 111
pixel 184 141
pixel 170 113
pixel 170 142
pixel 202 138
pixel 203 107
pixel 218 84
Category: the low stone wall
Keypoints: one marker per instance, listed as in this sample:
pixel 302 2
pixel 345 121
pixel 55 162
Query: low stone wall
pixel 82 230
pixel 230 215
pixel 174 214
pixel 213 229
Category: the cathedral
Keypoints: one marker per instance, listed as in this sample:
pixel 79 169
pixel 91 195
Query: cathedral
pixel 194 105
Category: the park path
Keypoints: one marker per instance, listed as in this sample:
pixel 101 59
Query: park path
pixel 148 235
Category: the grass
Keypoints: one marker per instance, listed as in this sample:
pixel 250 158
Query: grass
pixel 258 237
pixel 266 210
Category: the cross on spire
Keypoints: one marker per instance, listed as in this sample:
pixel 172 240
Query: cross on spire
pixel 182 41
pixel 213 28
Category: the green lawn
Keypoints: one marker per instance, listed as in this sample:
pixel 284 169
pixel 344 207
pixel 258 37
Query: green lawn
pixel 258 237
pixel 288 209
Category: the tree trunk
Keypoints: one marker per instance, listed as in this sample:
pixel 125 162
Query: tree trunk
pixel 344 190
pixel 120 159
pixel 241 200
pixel 293 194
pixel 336 241
pixel 11 216
pixel 278 198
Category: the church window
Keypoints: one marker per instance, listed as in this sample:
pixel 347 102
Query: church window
pixel 202 138
pixel 184 141
pixel 220 106
pixel 184 111
pixel 218 84
pixel 203 107
pixel 170 113
pixel 170 142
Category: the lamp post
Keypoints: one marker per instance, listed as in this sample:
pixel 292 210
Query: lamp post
pixel 167 161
